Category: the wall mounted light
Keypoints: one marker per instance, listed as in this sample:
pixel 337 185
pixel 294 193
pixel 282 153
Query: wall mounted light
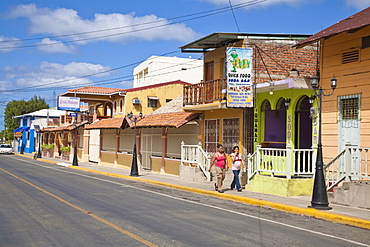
pixel 287 102
pixel 311 99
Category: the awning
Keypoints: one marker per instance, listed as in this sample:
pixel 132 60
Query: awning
pixel 22 129
pixel 153 97
pixel 174 119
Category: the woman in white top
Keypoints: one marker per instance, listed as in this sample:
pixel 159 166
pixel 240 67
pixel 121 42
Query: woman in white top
pixel 236 157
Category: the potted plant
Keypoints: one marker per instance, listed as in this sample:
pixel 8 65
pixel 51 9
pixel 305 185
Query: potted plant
pixel 48 149
pixel 65 152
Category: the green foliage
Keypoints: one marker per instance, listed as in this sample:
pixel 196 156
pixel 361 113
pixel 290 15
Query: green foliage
pixel 20 107
pixel 65 149
pixel 48 146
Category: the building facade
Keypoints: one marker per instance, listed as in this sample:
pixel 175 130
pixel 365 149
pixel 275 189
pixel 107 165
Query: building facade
pixel 159 69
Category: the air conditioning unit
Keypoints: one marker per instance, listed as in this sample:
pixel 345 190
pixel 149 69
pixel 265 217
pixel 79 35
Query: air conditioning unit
pixel 136 101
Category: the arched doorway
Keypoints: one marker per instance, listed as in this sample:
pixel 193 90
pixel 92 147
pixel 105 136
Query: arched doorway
pixel 303 135
pixel 303 127
pixel 275 124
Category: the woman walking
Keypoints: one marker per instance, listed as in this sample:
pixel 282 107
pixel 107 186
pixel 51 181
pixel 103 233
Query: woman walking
pixel 236 157
pixel 220 161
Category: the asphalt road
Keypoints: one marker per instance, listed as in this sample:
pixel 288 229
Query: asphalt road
pixel 46 205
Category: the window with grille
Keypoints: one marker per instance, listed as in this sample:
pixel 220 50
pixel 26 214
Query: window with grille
pixel 152 103
pixel 350 107
pixel 230 133
pixel 211 135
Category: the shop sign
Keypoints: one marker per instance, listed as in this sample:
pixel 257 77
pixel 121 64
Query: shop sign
pixel 239 77
pixel 18 134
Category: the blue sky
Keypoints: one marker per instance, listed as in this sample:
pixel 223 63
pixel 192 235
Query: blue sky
pixel 48 47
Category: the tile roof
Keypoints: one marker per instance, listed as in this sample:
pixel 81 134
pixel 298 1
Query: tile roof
pixel 174 119
pixel 96 90
pixel 174 105
pixel 110 123
pixel 63 128
pixel 356 21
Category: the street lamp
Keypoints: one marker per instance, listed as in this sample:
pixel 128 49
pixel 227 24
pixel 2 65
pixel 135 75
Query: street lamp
pixel 134 168
pixel 39 149
pixel 75 159
pixel 319 195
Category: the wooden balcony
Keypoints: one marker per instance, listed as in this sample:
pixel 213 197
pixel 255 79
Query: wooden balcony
pixel 205 92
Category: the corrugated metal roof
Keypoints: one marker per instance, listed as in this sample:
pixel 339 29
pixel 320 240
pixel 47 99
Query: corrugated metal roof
pixel 217 40
pixel 352 23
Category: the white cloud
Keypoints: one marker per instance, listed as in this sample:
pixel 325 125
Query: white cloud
pixel 358 4
pixel 8 42
pixel 67 21
pixel 52 46
pixel 51 75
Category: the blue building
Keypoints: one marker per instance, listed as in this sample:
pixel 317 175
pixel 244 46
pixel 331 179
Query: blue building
pixel 30 123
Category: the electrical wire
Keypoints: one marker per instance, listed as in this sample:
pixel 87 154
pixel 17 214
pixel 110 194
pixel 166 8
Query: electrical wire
pixel 241 5
pixel 232 10
pixel 204 14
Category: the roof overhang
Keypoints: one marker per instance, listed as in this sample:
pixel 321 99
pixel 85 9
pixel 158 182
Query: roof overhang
pixel 217 40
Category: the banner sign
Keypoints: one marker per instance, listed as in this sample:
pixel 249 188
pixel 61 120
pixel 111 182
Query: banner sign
pixel 68 103
pixel 239 77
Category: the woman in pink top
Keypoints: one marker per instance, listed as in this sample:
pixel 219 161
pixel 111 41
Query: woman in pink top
pixel 236 157
pixel 220 161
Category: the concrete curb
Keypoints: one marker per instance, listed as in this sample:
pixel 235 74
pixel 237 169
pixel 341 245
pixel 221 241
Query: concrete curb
pixel 310 212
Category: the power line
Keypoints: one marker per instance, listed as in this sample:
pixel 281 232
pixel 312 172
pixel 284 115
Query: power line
pixel 231 6
pixel 81 77
pixel 202 15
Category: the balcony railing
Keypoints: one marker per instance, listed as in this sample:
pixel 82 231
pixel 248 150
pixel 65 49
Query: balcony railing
pixel 205 92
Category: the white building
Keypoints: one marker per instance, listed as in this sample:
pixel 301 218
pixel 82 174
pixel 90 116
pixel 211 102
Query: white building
pixel 157 69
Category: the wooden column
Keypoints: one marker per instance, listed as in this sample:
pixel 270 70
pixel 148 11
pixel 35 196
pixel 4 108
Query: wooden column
pixel 118 133
pixel 85 154
pixel 164 148
pixel 101 144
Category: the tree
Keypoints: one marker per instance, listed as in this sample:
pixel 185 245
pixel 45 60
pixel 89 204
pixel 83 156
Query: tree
pixel 20 107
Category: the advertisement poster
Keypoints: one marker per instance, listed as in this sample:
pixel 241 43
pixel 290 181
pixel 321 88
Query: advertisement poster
pixel 239 77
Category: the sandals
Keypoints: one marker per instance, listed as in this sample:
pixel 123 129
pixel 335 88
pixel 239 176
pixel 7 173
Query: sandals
pixel 216 188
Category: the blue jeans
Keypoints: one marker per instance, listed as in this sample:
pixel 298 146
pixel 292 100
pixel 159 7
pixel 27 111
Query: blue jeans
pixel 236 180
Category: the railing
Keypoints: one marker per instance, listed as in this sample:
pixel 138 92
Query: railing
pixel 204 92
pixel 194 154
pixel 349 165
pixel 281 162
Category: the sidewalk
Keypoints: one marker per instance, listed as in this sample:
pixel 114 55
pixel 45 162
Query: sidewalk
pixel 297 204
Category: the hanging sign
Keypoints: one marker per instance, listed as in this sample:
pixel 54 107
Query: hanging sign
pixel 239 77
pixel 68 103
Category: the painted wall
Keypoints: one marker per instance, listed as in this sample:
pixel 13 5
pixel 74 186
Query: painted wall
pixel 288 129
pixel 157 69
pixel 353 79
pixel 165 92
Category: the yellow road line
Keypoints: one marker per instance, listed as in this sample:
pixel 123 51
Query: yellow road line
pixel 85 212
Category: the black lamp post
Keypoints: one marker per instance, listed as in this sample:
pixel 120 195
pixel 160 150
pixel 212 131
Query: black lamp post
pixel 134 168
pixel 75 159
pixel 319 195
pixel 39 149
